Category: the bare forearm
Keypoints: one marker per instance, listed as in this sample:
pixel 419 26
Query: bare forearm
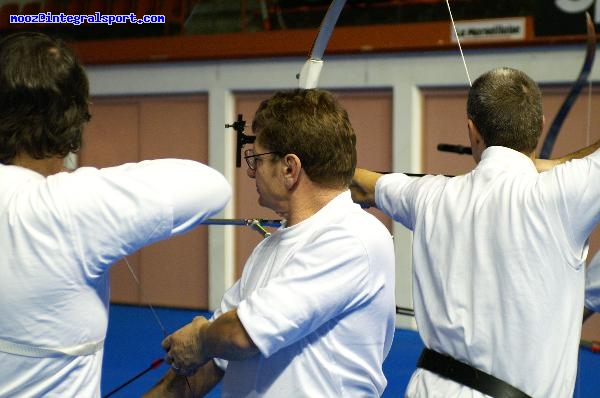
pixel 547 164
pixel 198 342
pixel 363 187
pixel 226 338
pixel 581 152
pixel 207 377
pixel 197 385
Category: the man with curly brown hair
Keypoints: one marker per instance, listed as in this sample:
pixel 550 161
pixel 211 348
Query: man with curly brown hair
pixel 60 232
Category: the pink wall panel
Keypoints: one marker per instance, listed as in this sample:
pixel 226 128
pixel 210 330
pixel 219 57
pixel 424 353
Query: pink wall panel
pixel 444 121
pixel 173 272
pixel 111 138
pixel 370 113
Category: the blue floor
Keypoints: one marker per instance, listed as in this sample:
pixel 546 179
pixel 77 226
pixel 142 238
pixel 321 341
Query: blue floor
pixel 134 337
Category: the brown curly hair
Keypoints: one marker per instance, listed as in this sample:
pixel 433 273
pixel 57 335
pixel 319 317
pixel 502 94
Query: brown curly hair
pixel 44 95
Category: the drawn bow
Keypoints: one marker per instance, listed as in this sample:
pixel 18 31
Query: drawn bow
pixel 311 70
pixel 582 79
pixel 554 128
pixel 308 78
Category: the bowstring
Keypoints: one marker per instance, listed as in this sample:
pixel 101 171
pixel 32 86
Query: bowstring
pixel 589 114
pixel 148 304
pixel 462 55
pixel 154 313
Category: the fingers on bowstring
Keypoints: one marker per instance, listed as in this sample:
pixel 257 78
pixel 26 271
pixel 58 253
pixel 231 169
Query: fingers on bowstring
pixel 166 343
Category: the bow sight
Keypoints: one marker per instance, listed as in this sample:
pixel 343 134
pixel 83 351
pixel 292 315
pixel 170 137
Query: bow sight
pixel 241 138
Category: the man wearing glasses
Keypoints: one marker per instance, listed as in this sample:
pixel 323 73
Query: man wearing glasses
pixel 313 313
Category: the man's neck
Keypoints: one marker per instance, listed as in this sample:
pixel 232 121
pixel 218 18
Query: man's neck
pixel 309 202
pixel 45 167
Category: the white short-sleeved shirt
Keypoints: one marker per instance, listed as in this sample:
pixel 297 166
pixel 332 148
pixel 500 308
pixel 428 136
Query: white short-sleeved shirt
pixel 592 284
pixel 59 237
pixel 317 299
pixel 498 259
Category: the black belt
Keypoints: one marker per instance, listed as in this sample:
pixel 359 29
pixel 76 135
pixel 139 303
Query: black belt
pixel 467 375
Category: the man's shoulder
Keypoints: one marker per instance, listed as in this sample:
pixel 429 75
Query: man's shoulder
pixel 362 226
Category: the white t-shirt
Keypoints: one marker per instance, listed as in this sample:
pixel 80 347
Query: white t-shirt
pixel 592 284
pixel 498 267
pixel 60 235
pixel 317 299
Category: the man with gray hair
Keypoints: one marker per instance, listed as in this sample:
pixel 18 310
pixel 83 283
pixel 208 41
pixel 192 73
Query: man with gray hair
pixel 498 253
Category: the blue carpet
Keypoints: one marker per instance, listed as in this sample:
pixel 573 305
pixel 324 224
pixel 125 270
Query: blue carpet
pixel 134 337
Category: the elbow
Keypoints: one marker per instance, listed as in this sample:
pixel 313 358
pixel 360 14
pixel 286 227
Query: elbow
pixel 242 347
pixel 228 339
pixel 221 191
pixel 226 193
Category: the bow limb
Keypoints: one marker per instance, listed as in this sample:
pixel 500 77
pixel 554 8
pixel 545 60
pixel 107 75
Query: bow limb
pixel 311 70
pixel 309 74
pixel 582 79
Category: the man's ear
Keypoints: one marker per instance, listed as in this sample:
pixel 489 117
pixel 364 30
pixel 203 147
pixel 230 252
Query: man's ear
pixel 543 123
pixel 292 168
pixel 474 135
pixel 477 142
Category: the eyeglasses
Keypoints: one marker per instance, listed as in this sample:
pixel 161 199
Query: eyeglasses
pixel 250 157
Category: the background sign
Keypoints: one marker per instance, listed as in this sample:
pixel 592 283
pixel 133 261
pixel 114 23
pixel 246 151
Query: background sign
pixel 489 29
pixel 564 17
